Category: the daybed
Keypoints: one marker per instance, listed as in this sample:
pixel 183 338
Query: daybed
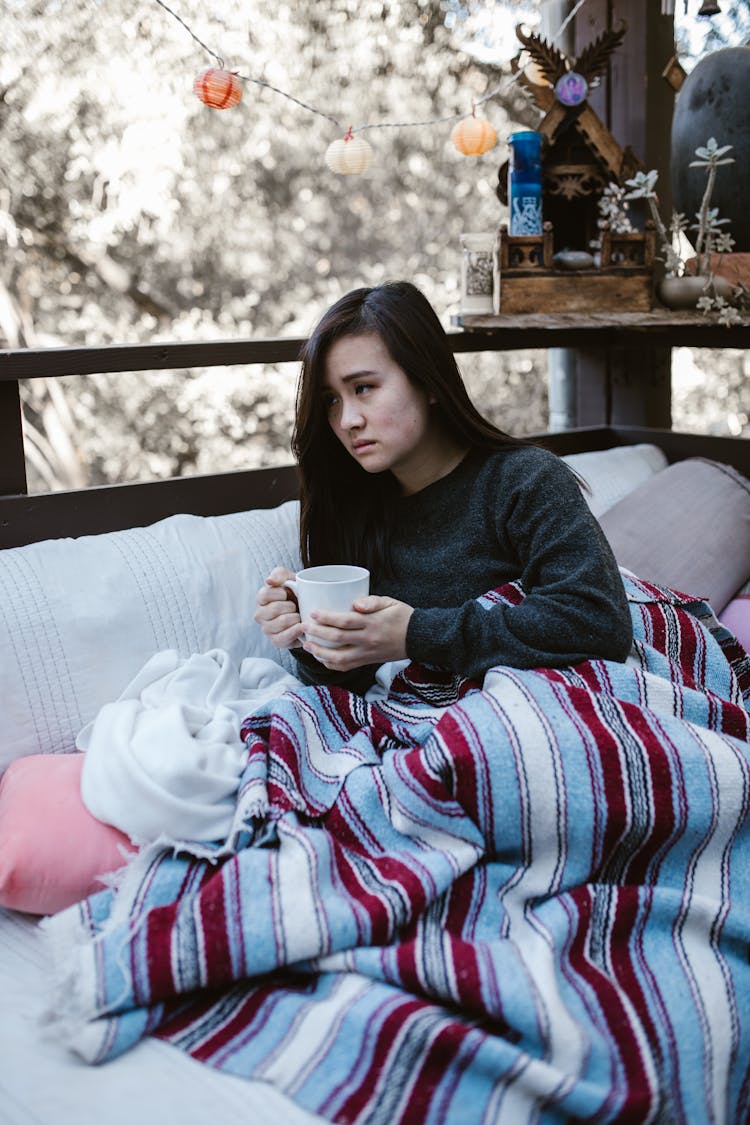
pixel 623 984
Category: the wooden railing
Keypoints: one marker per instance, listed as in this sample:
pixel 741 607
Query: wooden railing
pixel 627 335
pixel 622 399
pixel 27 363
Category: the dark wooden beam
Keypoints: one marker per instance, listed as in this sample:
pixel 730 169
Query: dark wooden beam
pixel 634 100
pixel 30 363
pixel 12 458
pixel 636 104
pixel 26 519
pixel 657 328
pixel 56 515
pixel 40 363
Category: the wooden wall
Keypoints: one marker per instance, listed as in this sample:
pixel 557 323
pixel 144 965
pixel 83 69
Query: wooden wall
pixel 630 386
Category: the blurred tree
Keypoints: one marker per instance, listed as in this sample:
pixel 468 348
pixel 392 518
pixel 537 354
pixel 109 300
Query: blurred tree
pixel 694 34
pixel 131 212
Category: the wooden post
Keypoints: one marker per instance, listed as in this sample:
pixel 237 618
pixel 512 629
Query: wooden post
pixel 562 363
pixel 633 385
pixel 12 458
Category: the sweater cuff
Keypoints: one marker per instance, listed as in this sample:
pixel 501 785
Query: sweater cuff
pixel 426 640
pixel 314 674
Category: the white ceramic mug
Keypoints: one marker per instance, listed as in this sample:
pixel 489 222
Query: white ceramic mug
pixel 335 587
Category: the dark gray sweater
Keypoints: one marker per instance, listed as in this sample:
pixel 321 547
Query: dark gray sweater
pixel 516 513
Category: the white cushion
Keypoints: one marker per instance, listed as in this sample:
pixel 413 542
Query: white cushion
pixel 613 473
pixel 80 617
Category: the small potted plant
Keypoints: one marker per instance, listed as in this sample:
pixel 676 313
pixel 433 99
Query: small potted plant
pixel 692 283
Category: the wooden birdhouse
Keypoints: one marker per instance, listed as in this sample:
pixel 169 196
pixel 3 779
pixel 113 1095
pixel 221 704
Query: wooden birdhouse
pixel 558 269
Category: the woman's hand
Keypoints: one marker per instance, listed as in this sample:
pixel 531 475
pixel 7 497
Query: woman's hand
pixel 276 612
pixel 374 632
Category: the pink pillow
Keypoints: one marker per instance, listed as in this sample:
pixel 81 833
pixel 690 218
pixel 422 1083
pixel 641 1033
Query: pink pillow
pixel 736 617
pixel 51 848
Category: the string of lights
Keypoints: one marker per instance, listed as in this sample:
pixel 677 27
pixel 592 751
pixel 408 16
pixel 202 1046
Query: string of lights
pixel 354 129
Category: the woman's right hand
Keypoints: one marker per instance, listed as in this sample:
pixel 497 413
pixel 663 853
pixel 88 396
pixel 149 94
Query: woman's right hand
pixel 276 612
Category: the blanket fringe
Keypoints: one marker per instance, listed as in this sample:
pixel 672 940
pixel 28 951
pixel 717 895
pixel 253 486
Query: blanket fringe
pixel 72 986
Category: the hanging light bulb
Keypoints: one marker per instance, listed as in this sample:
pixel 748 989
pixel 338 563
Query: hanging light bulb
pixel 708 9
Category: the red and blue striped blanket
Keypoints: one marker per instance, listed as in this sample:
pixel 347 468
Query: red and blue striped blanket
pixel 526 902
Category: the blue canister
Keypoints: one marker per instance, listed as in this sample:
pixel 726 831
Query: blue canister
pixel 525 183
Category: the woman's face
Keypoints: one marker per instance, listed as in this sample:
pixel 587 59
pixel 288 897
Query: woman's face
pixel 379 416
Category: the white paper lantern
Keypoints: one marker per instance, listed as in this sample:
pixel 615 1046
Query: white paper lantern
pixel 349 155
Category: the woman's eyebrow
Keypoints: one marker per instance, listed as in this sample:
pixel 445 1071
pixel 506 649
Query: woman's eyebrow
pixel 357 374
pixel 365 372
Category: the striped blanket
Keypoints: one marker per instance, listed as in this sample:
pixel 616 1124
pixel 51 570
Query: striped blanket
pixel 527 902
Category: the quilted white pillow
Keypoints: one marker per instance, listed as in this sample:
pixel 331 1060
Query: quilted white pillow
pixel 613 473
pixel 80 617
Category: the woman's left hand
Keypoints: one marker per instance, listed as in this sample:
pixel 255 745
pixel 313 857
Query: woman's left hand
pixel 374 632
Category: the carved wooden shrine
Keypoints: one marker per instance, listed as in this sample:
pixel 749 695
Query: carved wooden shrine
pixel 579 158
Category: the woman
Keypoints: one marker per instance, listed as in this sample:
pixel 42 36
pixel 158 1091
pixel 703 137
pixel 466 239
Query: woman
pixel 401 474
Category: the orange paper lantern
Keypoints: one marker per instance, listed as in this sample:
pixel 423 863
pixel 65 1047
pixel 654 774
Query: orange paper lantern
pixel 221 89
pixel 472 136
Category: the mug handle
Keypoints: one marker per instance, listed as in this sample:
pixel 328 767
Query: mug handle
pixel 291 585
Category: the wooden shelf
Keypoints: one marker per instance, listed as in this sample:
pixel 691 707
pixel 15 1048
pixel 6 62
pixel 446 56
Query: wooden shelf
pixel 654 329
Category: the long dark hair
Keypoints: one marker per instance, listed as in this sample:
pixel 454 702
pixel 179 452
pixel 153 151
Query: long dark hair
pixel 345 511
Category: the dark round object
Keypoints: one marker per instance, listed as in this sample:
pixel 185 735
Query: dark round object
pixel 713 102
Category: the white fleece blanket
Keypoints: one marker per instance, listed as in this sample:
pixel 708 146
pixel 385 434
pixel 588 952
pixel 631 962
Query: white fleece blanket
pixel 164 760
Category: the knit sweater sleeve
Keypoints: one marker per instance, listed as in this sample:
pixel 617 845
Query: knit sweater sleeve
pixel 575 606
pixel 311 672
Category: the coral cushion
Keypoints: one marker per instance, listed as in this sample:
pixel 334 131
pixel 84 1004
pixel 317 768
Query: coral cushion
pixel 687 527
pixel 736 617
pixel 52 849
